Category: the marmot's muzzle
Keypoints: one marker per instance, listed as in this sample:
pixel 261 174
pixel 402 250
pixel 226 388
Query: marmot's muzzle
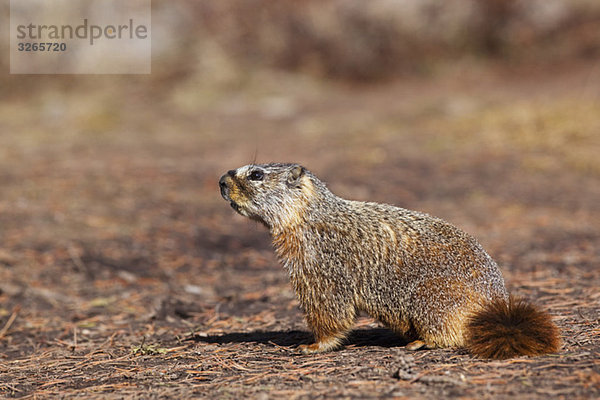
pixel 224 187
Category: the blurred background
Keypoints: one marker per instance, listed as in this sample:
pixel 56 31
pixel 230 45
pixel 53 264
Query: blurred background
pixel 485 113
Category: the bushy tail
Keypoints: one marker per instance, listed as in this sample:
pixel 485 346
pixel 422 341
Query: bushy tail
pixel 503 330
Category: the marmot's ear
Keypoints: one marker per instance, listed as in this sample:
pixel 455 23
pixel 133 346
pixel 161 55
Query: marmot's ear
pixel 295 174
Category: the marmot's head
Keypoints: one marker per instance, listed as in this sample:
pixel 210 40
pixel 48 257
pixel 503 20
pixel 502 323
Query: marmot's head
pixel 274 194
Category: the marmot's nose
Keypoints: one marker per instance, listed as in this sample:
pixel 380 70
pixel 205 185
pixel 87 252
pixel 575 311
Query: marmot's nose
pixel 224 187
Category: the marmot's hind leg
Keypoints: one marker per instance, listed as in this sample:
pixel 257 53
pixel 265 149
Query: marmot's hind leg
pixel 407 330
pixel 446 332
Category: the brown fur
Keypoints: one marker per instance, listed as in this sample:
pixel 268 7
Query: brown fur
pixel 504 330
pixel 418 275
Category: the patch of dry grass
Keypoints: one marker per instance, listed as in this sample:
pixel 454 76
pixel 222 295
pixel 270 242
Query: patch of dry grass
pixel 551 134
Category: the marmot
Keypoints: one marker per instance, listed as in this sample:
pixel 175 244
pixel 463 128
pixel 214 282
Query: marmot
pixel 418 275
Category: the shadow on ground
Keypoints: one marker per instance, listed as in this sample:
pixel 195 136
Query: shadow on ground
pixel 359 338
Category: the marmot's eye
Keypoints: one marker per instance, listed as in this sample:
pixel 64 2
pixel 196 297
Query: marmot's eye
pixel 256 175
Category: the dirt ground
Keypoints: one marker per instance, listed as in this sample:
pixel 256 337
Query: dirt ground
pixel 123 274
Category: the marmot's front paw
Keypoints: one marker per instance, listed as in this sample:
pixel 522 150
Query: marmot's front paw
pixel 420 344
pixel 309 348
pixel 322 346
